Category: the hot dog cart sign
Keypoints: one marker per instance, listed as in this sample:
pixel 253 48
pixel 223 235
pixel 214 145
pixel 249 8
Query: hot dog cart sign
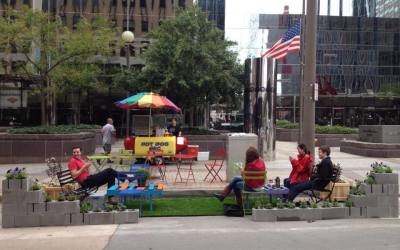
pixel 167 144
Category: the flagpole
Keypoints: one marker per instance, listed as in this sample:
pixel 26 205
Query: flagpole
pixel 300 138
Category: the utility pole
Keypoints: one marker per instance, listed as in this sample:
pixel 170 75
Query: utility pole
pixel 307 132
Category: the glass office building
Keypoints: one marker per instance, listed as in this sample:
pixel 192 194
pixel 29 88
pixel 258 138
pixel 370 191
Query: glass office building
pixel 358 70
pixel 215 10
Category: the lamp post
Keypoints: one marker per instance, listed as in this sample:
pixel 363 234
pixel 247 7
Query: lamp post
pixel 127 37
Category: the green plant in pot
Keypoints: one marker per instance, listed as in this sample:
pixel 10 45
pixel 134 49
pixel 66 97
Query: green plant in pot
pixel 85 207
pixel 142 176
pixel 36 185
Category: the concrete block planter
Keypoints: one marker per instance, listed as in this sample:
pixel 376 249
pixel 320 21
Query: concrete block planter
pixel 389 178
pixel 391 189
pixel 27 220
pixel 62 207
pixel 37 208
pixel 357 212
pixel 7 221
pixel 86 219
pixel 76 219
pixel 378 212
pixel 263 215
pixel 101 218
pixel 13 198
pixel 377 189
pixel 127 216
pixel 366 188
pixel 55 220
pixel 15 209
pixel 363 200
pixel 16 185
pixel 387 201
pixel 286 214
pixel 333 213
pixel 37 196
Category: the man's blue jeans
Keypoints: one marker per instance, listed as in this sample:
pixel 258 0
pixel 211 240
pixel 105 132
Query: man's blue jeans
pixel 298 188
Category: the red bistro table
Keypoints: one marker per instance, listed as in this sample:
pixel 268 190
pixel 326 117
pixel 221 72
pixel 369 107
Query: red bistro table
pixel 179 159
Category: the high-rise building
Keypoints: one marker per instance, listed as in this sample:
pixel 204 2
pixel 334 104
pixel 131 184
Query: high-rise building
pixel 215 10
pixel 364 8
pixel 388 8
pixel 358 61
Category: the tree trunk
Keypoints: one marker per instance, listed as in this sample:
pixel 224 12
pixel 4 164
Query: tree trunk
pixel 191 116
pixel 43 104
pixel 78 108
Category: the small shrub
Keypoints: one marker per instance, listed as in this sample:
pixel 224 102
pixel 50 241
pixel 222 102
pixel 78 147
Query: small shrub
pixel 380 168
pixel 85 207
pixel 47 199
pixel 16 173
pixel 291 205
pixel 286 124
pixel 71 197
pixel 326 204
pixel 356 190
pixel 348 203
pixel 36 186
pixel 335 204
pixel 335 130
pixel 108 207
pixel 369 179
pixel 97 210
pixel 269 206
pixel 61 197
pixel 303 204
pixel 257 204
pixel 120 207
pixel 314 205
pixel 280 205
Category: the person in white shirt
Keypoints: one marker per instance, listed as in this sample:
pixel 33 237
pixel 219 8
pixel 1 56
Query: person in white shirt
pixel 108 132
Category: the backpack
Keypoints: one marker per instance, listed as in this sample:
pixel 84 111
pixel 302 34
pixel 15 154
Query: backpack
pixel 233 210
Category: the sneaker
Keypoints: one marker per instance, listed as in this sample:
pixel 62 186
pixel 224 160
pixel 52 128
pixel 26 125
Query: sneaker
pixel 220 197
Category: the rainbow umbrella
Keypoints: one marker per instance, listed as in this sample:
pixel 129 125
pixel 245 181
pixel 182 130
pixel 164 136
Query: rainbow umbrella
pixel 147 100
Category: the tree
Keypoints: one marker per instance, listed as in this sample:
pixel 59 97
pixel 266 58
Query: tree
pixel 48 47
pixel 189 61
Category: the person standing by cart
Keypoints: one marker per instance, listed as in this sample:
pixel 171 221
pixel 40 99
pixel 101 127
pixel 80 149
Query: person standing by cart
pixel 174 129
pixel 108 132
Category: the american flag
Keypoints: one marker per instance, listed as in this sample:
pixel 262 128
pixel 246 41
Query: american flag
pixel 290 41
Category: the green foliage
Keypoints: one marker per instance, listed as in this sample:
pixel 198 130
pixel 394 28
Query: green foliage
pixel 62 129
pixel 318 129
pixel 369 179
pixel 88 126
pixel 286 124
pixel 314 205
pixel 36 186
pixel 85 207
pixel 326 204
pixel 71 197
pixel 190 62
pixel 269 206
pixel 16 173
pixel 61 197
pixel 356 190
pixel 348 203
pixel 335 204
pixel 280 204
pixel 120 207
pixel 47 199
pixel 97 210
pixel 143 174
pixel 303 204
pixel 291 205
pixel 381 168
pixel 108 207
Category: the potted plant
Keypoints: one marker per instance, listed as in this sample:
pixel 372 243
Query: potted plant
pixel 36 185
pixel 383 174
pixel 142 176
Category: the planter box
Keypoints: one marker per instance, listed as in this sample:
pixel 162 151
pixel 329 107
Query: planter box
pixel 52 192
pixel 27 220
pixel 13 197
pixel 392 178
pixel 76 219
pixel 357 212
pixel 127 216
pixel 62 207
pixel 14 209
pixel 340 191
pixel 391 189
pixel 101 218
pixel 333 213
pixel 14 185
pixel 37 196
pixel 286 214
pixel 55 220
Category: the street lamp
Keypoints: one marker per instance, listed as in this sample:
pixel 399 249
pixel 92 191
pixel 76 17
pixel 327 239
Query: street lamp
pixel 127 37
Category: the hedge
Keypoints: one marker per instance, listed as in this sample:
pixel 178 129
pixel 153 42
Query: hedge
pixel 318 129
pixel 60 129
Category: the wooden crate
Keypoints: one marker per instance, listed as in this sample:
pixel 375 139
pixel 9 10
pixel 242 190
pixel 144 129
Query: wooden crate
pixel 340 191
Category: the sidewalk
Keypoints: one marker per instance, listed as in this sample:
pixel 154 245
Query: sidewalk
pixel 354 167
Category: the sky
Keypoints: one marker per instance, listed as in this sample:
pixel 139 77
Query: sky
pixel 241 21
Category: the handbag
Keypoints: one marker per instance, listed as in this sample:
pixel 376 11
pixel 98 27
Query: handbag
pixel 233 210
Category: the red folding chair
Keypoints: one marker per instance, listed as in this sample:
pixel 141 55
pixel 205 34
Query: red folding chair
pixel 214 167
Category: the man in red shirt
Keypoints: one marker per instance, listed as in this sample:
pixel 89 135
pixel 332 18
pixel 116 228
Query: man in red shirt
pixel 80 172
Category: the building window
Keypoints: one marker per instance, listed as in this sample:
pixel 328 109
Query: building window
pixel 131 25
pixel 182 3
pixel 145 26
pixel 162 3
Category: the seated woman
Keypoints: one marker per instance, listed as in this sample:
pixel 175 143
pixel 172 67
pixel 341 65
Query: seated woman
pixel 319 179
pixel 253 163
pixel 301 167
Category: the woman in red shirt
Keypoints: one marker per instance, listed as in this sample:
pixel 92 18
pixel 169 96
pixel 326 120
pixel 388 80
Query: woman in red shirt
pixel 301 167
pixel 253 163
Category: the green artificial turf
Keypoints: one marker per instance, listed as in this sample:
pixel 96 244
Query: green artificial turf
pixel 184 206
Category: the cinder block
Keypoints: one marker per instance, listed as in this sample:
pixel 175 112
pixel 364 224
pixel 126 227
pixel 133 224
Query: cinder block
pixel 26 184
pixel 13 197
pixel 101 218
pixel 72 206
pixel 357 212
pixel 391 178
pixel 363 201
pixel 391 189
pixel 55 220
pixel 263 215
pixel 37 208
pixel 76 219
pixel 28 220
pixel 15 209
pixel 310 214
pixel 57 207
pixel 394 212
pixel 7 221
pixel 387 201
pixel 86 219
pixel 378 212
pixel 333 213
pixel 96 200
pixel 377 189
pixel 37 196
pixel 127 216
pixel 16 185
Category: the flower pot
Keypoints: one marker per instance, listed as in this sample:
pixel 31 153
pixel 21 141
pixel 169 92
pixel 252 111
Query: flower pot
pixel 339 193
pixel 52 192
